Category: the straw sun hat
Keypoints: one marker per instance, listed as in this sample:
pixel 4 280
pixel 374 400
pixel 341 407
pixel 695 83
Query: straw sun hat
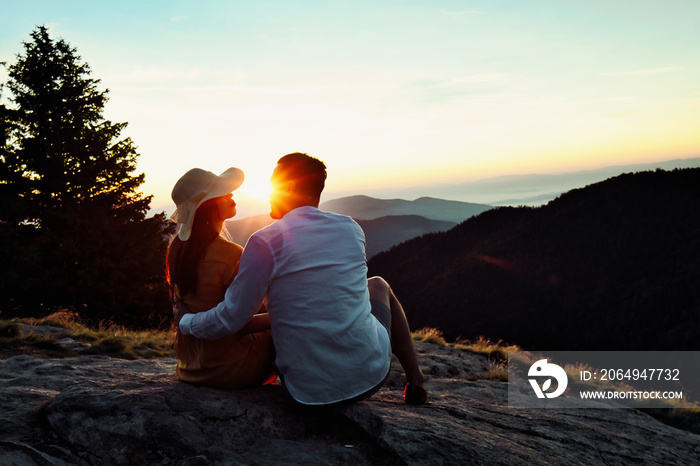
pixel 197 186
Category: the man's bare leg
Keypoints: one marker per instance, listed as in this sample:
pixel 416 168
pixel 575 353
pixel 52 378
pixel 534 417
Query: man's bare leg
pixel 401 341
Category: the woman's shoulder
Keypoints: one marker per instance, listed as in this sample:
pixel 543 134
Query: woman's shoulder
pixel 223 243
pixel 221 246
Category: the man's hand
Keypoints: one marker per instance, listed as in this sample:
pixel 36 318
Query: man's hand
pixel 179 310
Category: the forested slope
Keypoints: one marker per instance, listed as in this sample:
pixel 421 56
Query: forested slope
pixel 614 265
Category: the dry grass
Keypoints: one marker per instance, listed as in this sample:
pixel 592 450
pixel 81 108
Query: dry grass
pixel 494 351
pixel 66 318
pixel 497 372
pixel 106 338
pixel 497 353
pixel 429 335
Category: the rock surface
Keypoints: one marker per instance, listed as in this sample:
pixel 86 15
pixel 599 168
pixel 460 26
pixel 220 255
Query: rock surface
pixel 98 410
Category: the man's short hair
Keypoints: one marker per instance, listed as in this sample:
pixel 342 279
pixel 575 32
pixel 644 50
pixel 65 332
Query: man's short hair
pixel 309 173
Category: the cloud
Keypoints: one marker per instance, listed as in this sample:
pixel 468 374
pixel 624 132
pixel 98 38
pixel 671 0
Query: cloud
pixel 264 90
pixel 468 79
pixel 440 91
pixel 620 114
pixel 461 13
pixel 479 78
pixel 163 74
pixel 646 71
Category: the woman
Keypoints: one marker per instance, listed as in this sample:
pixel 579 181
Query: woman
pixel 200 265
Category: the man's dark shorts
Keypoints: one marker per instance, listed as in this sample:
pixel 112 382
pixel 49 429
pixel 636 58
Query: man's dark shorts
pixel 382 313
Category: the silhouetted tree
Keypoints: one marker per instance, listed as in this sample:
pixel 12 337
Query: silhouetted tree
pixel 73 225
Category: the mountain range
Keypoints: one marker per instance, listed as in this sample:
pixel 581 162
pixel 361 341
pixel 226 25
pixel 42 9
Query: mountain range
pixel 386 222
pixel 368 208
pixel 612 266
pixel 533 189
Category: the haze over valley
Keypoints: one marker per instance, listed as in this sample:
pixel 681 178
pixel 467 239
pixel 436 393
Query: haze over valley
pixel 506 190
pixel 388 222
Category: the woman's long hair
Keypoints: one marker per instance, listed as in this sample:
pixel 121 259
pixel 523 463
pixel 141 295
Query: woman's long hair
pixel 183 257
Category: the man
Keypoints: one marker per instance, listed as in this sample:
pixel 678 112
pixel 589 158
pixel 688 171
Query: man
pixel 333 330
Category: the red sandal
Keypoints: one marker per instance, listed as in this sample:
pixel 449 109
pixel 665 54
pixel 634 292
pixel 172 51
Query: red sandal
pixel 414 395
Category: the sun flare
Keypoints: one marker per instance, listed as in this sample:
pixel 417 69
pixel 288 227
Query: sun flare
pixel 256 188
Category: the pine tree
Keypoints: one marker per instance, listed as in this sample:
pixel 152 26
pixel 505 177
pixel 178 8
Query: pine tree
pixel 72 220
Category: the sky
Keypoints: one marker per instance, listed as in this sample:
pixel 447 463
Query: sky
pixel 389 94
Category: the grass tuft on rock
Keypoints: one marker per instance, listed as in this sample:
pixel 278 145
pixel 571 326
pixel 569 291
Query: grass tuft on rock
pixel 44 338
pixel 429 335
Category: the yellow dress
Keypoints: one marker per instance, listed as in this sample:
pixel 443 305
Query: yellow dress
pixel 235 361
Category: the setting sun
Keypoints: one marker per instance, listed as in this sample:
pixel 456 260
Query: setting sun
pixel 253 197
pixel 257 188
pixel 551 87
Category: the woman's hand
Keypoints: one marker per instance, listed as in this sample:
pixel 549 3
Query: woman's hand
pixel 179 310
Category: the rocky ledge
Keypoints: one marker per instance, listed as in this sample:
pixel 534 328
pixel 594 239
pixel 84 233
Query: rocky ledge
pixel 94 410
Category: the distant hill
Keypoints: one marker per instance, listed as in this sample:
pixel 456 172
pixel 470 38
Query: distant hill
pixel 508 189
pixel 240 230
pixel 530 189
pixel 385 222
pixel 384 232
pixel 368 208
pixel 612 266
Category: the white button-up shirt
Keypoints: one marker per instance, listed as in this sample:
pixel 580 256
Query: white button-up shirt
pixel 311 265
